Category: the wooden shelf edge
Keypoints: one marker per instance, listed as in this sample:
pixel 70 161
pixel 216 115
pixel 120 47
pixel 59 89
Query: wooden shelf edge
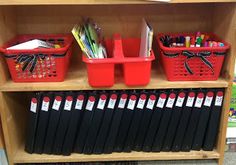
pixel 23 157
pixel 101 2
pixel 76 79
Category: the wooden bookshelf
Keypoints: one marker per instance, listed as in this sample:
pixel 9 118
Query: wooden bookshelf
pixel 123 16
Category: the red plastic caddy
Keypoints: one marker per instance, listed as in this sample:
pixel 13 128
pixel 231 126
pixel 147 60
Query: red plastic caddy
pixel 136 70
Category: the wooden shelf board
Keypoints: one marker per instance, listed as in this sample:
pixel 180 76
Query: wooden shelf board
pixel 76 79
pixel 102 2
pixel 24 157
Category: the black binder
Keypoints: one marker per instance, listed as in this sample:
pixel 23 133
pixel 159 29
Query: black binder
pixel 44 113
pixel 111 138
pixel 194 118
pixel 75 120
pixel 96 123
pixel 105 125
pixel 203 121
pixel 143 127
pixel 213 125
pixel 54 118
pixel 184 120
pixel 136 121
pixel 33 122
pixel 63 123
pixel 158 141
pixel 125 122
pixel 86 121
pixel 155 120
pixel 174 121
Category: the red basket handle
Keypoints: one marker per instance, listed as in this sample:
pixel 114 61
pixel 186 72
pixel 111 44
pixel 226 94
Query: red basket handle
pixel 117 47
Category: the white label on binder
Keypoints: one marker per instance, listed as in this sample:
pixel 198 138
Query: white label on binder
pixel 131 102
pixel 219 100
pixel 198 102
pixel 68 103
pixel 56 103
pixel 208 101
pixel 122 101
pixel 151 102
pixel 190 101
pixel 112 101
pixel 45 104
pixel 179 102
pixel 33 105
pixel 170 102
pixel 141 101
pixel 90 103
pixel 102 102
pixel 79 102
pixel 161 102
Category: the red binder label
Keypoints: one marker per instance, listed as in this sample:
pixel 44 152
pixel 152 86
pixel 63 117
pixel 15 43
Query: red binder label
pixel 161 101
pixel 57 103
pixel 112 101
pixel 190 99
pixel 33 105
pixel 79 102
pixel 151 102
pixel 180 100
pixel 90 103
pixel 45 104
pixel 132 102
pixel 122 101
pixel 219 99
pixel 141 101
pixel 171 100
pixel 208 99
pixel 68 103
pixel 199 100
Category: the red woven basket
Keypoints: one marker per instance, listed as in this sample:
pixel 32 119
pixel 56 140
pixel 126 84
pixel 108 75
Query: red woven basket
pixel 39 65
pixel 194 64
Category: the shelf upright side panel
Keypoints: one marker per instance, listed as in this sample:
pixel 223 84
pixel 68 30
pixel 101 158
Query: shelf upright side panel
pixel 7 31
pixel 13 116
pixel 224 25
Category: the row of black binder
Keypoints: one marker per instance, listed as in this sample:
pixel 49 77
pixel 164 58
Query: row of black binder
pixel 95 122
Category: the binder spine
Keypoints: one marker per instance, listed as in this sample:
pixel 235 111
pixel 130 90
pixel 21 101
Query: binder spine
pixel 105 125
pixel 171 131
pixel 135 123
pixel 184 120
pixel 125 122
pixel 85 123
pixel 194 119
pixel 158 142
pixel 111 138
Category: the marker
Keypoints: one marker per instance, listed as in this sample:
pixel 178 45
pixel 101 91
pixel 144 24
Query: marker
pixel 187 41
pixel 220 44
pixel 192 42
pixel 182 40
pixel 198 35
pixel 215 44
pixel 202 36
pixel 199 42
pixel 210 44
pixel 178 44
pixel 206 44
